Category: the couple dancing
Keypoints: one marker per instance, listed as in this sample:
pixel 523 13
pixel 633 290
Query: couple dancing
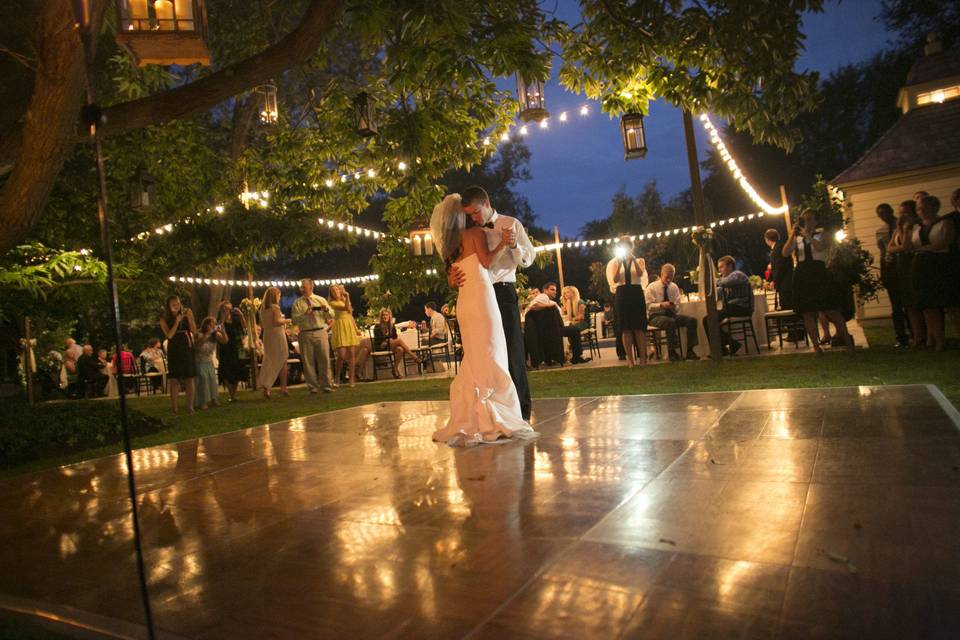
pixel 490 397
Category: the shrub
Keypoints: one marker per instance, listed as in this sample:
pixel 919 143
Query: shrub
pixel 29 433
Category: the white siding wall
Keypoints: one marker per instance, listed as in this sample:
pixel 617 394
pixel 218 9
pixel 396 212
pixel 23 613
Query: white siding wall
pixel 862 200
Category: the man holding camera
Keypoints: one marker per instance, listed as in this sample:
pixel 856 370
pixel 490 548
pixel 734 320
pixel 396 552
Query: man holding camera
pixel 313 315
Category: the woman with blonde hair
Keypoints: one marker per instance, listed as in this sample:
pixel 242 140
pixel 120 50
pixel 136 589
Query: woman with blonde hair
pixel 274 343
pixel 573 309
pixel 345 338
pixel 385 338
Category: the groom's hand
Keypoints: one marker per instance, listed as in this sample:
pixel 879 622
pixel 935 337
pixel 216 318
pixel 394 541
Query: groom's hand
pixel 509 238
pixel 456 277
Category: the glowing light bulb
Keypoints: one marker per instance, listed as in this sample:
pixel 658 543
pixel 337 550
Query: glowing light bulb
pixel 328 182
pixel 371 173
pixel 504 136
pixel 402 165
pixel 563 116
pixel 544 123
pixel 584 110
pixel 219 208
pixel 523 130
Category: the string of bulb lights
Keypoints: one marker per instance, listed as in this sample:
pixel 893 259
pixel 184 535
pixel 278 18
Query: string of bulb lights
pixel 321 282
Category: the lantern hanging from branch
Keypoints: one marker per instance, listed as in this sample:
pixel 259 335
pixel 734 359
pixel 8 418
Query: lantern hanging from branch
pixel 364 115
pixel 266 96
pixel 634 137
pixel 141 189
pixel 531 99
pixel 163 31
pixel 421 240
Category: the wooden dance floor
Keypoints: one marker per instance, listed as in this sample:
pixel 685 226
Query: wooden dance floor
pixel 811 513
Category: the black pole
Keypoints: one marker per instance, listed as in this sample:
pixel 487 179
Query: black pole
pixel 92 116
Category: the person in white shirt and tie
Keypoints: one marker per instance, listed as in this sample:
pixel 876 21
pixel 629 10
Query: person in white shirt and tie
pixel 503 273
pixel 663 303
pixel 313 315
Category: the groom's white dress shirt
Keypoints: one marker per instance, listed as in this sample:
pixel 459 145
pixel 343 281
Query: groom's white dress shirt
pixel 504 265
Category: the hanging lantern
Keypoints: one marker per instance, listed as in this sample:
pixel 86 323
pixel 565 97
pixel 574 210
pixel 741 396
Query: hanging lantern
pixel 141 189
pixel 634 138
pixel 421 240
pixel 266 96
pixel 163 31
pixel 364 116
pixel 530 97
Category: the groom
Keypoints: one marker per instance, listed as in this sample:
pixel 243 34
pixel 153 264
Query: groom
pixel 503 274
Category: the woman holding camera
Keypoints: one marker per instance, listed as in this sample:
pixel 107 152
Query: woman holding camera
pixel 814 289
pixel 625 276
pixel 234 326
pixel 274 343
pixel 178 329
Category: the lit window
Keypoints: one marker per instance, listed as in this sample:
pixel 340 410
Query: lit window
pixel 938 95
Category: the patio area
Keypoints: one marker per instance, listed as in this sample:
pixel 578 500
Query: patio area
pixel 774 513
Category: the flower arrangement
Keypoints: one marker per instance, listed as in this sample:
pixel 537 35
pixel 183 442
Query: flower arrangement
pixel 250 303
pixel 702 237
pixel 756 283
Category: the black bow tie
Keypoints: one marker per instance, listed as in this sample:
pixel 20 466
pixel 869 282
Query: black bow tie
pixel 488 225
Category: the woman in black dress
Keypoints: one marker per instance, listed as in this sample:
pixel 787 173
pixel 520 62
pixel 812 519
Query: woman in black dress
pixel 953 271
pixel 930 241
pixel 179 329
pixel 903 267
pixel 230 369
pixel 624 274
pixel 814 289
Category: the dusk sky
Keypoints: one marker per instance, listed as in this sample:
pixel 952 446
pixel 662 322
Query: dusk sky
pixel 577 167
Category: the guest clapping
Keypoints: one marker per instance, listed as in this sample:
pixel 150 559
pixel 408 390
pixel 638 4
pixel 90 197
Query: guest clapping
pixel 345 338
pixel 210 336
pixel 626 276
pixel 179 329
pixel 663 304
pixel 814 289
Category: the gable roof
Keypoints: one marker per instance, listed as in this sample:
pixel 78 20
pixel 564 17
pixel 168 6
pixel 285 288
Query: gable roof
pixel 922 138
pixel 934 67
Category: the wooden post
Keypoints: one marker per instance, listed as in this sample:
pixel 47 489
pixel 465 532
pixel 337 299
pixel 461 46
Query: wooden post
pixel 696 190
pixel 27 364
pixel 786 213
pixel 556 240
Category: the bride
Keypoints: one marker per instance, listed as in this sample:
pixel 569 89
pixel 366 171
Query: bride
pixel 484 406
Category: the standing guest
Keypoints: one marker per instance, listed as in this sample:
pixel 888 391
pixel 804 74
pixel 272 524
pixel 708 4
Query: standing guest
pixel 438 324
pixel 313 315
pixel 72 349
pixel 903 259
pixel 274 344
pixel 385 338
pixel 888 272
pixel 814 289
pixel 735 295
pixel 781 269
pixel 234 327
pixel 918 199
pixel 663 303
pixel 953 271
pixel 179 329
pixel 345 338
pixel 931 241
pixel 90 373
pixel 210 337
pixel 627 278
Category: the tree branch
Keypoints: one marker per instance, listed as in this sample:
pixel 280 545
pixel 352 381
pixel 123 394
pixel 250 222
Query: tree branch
pixel 207 92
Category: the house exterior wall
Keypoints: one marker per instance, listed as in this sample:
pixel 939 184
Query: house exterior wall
pixel 861 200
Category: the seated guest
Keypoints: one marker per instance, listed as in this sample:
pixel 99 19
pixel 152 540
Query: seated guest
pixel 736 297
pixel 125 363
pixel 781 269
pixel 438 324
pixel 385 338
pixel 570 332
pixel 663 302
pixel 90 372
pixel 573 309
pixel 152 357
pixel 543 329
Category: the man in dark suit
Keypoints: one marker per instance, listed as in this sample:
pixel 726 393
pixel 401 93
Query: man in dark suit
pixel 90 372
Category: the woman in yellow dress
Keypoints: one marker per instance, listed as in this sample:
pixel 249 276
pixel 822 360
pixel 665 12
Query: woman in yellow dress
pixel 345 335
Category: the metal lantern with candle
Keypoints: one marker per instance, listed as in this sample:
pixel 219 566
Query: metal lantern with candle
pixel 266 96
pixel 364 115
pixel 634 138
pixel 421 240
pixel 531 100
pixel 141 189
pixel 163 31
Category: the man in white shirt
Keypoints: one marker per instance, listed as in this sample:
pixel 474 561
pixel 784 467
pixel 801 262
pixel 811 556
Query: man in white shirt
pixel 663 303
pixel 312 315
pixel 438 324
pixel 503 274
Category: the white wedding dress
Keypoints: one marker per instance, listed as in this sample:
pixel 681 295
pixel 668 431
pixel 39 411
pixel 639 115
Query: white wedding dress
pixel 484 406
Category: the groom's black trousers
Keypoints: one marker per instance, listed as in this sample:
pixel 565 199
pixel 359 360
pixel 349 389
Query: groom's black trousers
pixel 506 293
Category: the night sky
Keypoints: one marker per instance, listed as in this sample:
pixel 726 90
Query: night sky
pixel 577 167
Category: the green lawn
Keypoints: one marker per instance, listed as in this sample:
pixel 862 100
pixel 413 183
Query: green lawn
pixel 881 364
